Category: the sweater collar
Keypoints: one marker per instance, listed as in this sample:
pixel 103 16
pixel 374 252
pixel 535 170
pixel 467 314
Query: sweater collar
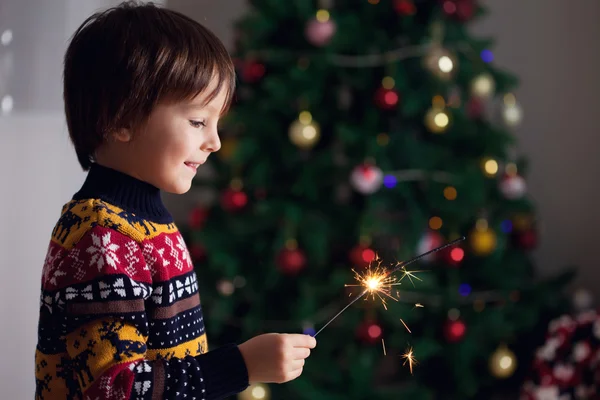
pixel 124 191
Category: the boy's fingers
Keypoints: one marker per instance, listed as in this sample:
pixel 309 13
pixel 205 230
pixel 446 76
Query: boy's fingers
pixel 300 353
pixel 306 341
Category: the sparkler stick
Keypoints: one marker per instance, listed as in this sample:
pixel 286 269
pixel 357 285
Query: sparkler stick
pixel 395 269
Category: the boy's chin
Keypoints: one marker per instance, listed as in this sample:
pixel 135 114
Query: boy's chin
pixel 177 187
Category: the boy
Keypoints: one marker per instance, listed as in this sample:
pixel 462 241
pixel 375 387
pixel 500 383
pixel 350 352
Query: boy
pixel 120 314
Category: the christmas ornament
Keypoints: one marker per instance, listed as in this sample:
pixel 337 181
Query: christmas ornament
pixel 437 120
pixel 482 239
pixel 225 287
pixel 526 239
pixel 256 391
pixel 512 114
pixel 198 217
pixel 483 86
pixel 404 7
pixel 252 71
pixel 361 256
pixel 369 332
pixel 582 300
pixel 386 99
pixel 233 200
pixel 566 366
pixel 304 132
pixel 503 362
pixel 440 62
pixel 291 260
pixel 461 10
pixel 490 167
pixel 513 187
pixel 455 330
pixel 475 108
pixel 197 252
pixel 320 29
pixel 429 241
pixel 366 178
pixel 228 148
pixel 453 256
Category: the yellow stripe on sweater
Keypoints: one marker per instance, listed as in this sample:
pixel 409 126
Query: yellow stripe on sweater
pixel 78 216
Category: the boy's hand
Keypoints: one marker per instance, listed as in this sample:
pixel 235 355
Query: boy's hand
pixel 276 358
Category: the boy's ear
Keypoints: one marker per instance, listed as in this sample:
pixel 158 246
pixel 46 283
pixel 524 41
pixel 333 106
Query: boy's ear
pixel 122 135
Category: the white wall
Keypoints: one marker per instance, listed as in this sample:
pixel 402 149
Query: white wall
pixel 552 46
pixel 38 172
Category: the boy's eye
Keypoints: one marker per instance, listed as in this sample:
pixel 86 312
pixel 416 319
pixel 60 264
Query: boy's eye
pixel 197 124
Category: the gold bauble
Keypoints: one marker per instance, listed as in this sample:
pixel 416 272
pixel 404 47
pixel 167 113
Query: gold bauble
pixel 503 363
pixel 483 241
pixel 437 120
pixel 304 132
pixel 256 391
pixel 483 86
pixel 440 62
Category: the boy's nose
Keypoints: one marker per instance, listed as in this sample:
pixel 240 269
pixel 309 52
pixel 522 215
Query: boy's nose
pixel 213 143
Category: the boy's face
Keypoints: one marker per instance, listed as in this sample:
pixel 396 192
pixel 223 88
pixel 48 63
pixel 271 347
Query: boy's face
pixel 175 141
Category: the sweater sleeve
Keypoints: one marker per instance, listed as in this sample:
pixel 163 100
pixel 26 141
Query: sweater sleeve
pixel 106 331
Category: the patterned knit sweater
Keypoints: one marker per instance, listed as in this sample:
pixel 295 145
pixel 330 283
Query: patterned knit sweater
pixel 120 314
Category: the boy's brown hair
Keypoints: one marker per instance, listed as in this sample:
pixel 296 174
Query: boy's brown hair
pixel 122 62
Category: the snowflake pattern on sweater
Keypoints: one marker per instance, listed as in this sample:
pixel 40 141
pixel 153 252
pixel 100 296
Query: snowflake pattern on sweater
pixel 120 314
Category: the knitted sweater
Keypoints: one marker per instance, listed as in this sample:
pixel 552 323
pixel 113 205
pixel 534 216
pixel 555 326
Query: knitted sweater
pixel 120 314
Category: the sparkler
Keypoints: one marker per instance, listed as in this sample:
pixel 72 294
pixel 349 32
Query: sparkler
pixel 378 282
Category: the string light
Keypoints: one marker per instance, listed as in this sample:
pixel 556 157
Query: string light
pixel 390 181
pixel 464 290
pixel 7 104
pixel 383 139
pixel 322 15
pixel 457 254
pixel 506 226
pixel 450 193
pixel 6 37
pixel 445 64
pixel 453 314
pixel 435 223
pixel 388 82
pixel 487 56
pixel 490 167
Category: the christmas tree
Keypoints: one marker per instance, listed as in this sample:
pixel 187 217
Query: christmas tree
pixel 364 133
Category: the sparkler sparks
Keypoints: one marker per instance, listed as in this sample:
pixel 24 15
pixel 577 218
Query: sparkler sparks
pixel 409 358
pixel 406 326
pixel 378 281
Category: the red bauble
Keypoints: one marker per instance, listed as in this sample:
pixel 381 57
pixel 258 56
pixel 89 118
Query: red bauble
pixel 527 239
pixel 369 332
pixel 291 262
pixel 404 7
pixel 461 10
pixel 475 108
pixel 362 256
pixel 252 71
pixel 197 252
pixel 319 33
pixel 386 99
pixel 454 331
pixel 233 200
pixel 428 242
pixel 198 217
pixel 453 255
